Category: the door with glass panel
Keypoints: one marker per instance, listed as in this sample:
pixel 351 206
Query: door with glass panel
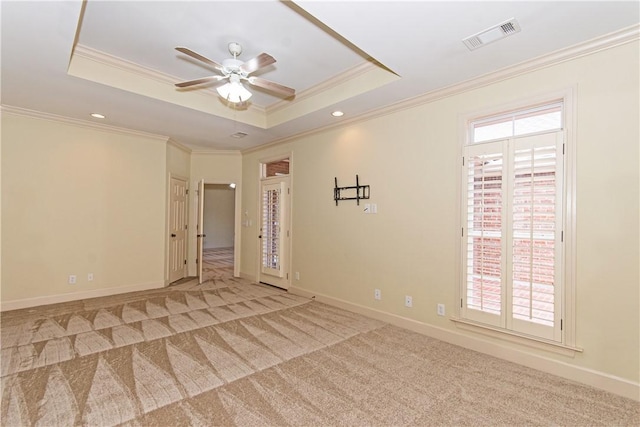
pixel 274 236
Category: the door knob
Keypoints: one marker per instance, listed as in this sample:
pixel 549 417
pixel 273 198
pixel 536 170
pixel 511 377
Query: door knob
pixel 173 235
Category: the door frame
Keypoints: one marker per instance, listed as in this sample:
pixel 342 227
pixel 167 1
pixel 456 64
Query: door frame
pixel 261 162
pixel 167 272
pixel 237 224
pixel 199 229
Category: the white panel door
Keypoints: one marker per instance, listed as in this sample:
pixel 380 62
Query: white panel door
pixel 274 231
pixel 177 230
pixel 200 229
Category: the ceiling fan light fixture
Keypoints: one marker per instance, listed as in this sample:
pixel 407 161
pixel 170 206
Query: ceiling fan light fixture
pixel 234 91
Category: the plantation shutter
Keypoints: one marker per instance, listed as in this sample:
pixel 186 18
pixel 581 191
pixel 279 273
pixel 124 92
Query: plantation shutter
pixel 271 228
pixel 484 244
pixel 535 246
pixel 512 236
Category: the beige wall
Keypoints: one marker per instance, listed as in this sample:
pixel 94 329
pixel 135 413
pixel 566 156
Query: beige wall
pixel 214 168
pixel 411 161
pixel 178 160
pixel 77 200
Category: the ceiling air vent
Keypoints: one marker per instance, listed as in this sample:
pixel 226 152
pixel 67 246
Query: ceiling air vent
pixel 492 34
pixel 239 135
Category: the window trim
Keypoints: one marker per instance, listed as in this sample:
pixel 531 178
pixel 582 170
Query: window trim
pixel 514 114
pixel 515 337
pixel 568 309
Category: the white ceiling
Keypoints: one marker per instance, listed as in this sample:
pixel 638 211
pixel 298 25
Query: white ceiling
pixel 118 57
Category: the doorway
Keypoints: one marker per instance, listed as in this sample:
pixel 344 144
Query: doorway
pixel 218 231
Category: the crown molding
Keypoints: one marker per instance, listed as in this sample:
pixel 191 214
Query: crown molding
pixel 179 146
pixel 607 41
pixel 24 112
pixel 217 152
pixel 149 73
pixel 140 70
pixel 611 40
pixel 350 74
pixel 123 64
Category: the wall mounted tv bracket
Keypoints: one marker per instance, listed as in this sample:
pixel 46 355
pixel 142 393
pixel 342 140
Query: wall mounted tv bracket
pixel 353 192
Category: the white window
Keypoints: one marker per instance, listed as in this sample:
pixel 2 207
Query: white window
pixel 513 221
pixel 543 118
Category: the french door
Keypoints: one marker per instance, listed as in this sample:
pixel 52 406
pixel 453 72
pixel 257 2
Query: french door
pixel 275 209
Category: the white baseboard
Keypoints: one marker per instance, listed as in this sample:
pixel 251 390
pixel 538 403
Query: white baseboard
pixel 74 296
pixel 590 377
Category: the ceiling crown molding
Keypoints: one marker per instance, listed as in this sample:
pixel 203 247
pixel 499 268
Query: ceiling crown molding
pixel 24 112
pixel 217 152
pixel 108 69
pixel 350 74
pixel 179 146
pixel 146 72
pixel 140 70
pixel 607 41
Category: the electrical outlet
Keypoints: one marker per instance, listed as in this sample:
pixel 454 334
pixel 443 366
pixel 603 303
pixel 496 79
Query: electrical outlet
pixel 297 275
pixel 408 301
pixel 90 277
pixel 440 309
pixel 72 279
pixel 377 294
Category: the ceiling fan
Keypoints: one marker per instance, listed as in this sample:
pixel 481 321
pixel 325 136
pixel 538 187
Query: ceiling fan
pixel 236 71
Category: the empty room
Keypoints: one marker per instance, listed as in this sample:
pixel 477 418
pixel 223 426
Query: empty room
pixel 319 213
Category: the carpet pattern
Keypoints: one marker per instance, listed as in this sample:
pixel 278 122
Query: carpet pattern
pixel 217 263
pixel 229 352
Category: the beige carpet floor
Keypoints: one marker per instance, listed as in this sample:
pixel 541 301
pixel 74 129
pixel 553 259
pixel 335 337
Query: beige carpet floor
pixel 229 352
pixel 217 263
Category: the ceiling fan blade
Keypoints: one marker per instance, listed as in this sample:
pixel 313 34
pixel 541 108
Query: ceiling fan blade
pixel 199 57
pixel 272 86
pixel 199 81
pixel 258 62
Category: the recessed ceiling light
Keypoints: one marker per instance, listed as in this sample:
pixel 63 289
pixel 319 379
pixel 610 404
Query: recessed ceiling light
pixel 239 135
pixel 98 116
pixel 337 113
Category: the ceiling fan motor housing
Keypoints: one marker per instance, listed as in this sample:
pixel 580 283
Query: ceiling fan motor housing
pixel 232 66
